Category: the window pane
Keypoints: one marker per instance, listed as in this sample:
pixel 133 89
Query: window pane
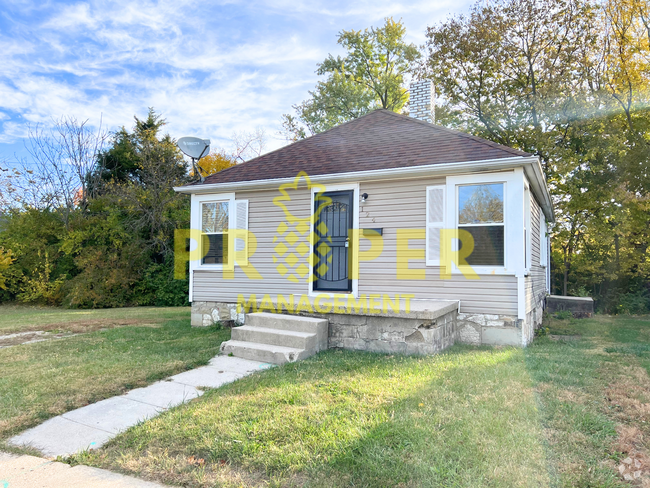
pixel 216 246
pixel 214 217
pixel 480 204
pixel 488 245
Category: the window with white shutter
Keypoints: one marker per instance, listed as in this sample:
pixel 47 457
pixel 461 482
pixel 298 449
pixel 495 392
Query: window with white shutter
pixel 435 222
pixel 241 239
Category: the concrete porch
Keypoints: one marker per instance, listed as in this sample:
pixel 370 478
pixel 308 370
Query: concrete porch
pixel 401 325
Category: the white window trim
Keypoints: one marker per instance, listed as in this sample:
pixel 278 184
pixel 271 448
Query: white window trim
pixel 528 257
pixel 513 217
pixel 429 260
pixel 195 220
pixel 355 248
pixel 543 241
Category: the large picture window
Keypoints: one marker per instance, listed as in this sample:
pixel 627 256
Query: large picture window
pixel 214 224
pixel 481 213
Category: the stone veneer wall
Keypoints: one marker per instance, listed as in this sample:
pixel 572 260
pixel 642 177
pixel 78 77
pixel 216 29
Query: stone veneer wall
pixel 399 334
pixel 205 314
pixel 477 329
pixel 391 334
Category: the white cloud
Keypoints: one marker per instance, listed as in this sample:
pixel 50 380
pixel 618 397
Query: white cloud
pixel 210 68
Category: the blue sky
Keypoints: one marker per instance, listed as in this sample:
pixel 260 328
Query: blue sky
pixel 211 68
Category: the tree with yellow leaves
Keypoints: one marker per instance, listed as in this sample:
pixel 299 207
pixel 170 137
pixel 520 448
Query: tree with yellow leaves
pixel 214 162
pixel 6 258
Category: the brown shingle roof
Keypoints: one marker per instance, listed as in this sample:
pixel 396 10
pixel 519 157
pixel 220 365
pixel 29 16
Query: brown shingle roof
pixel 379 140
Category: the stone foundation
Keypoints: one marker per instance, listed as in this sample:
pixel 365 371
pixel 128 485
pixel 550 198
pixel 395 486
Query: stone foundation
pixel 477 329
pixel 419 332
pixel 391 334
pixel 205 314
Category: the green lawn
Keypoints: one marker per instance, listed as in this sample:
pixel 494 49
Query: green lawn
pixel 124 349
pixel 563 412
pixel 21 318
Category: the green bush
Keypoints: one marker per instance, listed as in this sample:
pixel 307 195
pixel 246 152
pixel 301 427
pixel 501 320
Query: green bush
pixel 634 303
pixel 159 288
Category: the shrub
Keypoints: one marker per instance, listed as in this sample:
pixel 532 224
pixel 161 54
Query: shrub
pixel 634 303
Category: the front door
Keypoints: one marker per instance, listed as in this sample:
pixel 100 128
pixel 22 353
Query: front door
pixel 331 267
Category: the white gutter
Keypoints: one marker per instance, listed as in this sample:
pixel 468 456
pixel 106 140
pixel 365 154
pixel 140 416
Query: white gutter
pixel 531 165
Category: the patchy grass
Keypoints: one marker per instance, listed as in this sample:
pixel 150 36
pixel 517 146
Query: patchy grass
pixel 465 418
pixel 594 396
pixel 24 318
pixel 47 378
pixel 569 411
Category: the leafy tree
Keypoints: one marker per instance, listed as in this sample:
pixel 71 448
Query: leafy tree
pixel 370 76
pixel 34 237
pixel 6 258
pixel 129 151
pixel 214 162
pixel 567 80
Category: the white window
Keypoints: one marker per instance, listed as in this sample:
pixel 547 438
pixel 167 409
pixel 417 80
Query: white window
pixel 215 218
pixel 481 213
pixel 218 217
pixel 435 222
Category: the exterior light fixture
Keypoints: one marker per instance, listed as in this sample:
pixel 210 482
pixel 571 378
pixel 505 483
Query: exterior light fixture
pixel 364 197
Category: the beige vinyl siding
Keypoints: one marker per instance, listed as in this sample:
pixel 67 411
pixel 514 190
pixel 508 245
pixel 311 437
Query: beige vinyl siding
pixel 392 205
pixel 263 220
pixel 536 279
pixel 401 204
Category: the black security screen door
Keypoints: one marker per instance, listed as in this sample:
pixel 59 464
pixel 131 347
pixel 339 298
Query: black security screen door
pixel 331 248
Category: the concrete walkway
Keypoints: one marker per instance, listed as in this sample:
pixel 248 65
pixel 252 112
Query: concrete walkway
pixel 34 472
pixel 92 426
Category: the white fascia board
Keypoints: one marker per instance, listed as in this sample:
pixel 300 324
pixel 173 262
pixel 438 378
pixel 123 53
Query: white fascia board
pixel 531 164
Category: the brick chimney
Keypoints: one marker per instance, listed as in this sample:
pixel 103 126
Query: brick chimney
pixel 422 101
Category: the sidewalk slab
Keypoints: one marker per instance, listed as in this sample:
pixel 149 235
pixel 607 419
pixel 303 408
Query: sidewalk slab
pixel 59 436
pixel 207 376
pixel 164 394
pixel 92 426
pixel 113 414
pixel 33 472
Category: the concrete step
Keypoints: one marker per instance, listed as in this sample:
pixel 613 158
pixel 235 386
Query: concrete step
pixel 295 323
pixel 277 337
pixel 267 353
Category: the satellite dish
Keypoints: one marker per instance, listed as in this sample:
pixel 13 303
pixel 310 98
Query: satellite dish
pixel 195 148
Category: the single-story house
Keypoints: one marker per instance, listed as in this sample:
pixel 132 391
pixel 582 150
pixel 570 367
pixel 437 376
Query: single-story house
pixel 406 236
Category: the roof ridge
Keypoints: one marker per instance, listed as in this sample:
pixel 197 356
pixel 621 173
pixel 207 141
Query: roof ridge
pixel 460 133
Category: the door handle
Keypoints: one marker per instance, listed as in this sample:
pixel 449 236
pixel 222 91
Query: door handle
pixel 347 242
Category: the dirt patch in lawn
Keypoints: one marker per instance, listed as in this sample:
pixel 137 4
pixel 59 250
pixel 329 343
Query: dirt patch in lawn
pixel 558 337
pixel 8 340
pixel 91 325
pixel 60 330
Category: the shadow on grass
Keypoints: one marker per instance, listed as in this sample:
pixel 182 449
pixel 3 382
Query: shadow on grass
pixel 463 418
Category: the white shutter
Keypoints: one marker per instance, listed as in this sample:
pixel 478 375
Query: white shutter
pixel 241 223
pixel 543 242
pixel 435 222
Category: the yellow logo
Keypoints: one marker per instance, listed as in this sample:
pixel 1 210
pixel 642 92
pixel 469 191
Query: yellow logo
pixel 293 252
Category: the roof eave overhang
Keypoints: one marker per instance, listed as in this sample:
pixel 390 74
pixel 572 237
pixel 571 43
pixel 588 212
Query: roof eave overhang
pixel 531 165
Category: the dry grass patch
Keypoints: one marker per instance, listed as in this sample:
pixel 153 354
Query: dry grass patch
pixel 44 379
